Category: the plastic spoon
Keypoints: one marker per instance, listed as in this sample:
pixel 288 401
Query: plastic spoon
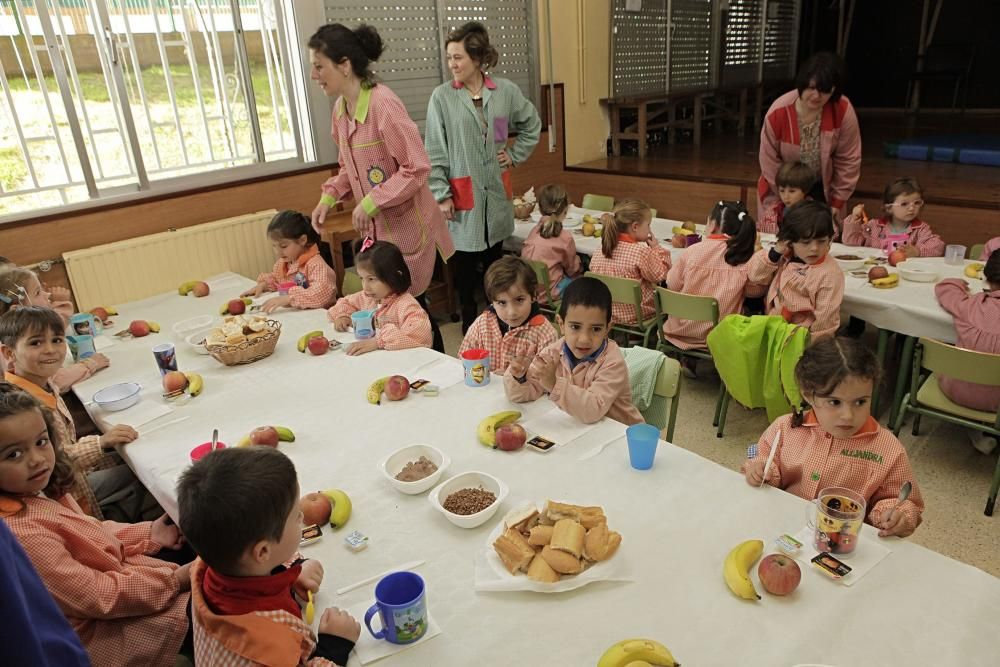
pixel 215 438
pixel 310 609
pixel 904 493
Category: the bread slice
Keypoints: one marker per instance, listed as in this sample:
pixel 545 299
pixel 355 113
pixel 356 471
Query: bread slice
pixel 514 551
pixel 556 510
pixel 540 536
pixel 560 561
pixel 541 571
pixel 600 543
pixel 591 516
pixel 568 536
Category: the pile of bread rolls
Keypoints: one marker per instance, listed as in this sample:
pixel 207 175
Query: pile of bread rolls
pixel 237 329
pixel 560 540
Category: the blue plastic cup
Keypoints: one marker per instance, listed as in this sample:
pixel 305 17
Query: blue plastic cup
pixel 401 605
pixel 642 440
pixel 363 323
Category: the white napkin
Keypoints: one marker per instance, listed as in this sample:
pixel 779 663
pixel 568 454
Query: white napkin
pixel 368 649
pixel 443 372
pixel 869 552
pixel 104 342
pixel 141 413
pixel 557 426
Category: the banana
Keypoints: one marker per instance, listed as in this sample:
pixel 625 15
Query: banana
pixel 244 441
pixel 341 507
pixel 285 434
pixel 195 383
pixel 682 231
pixel 634 652
pixel 736 568
pixel 186 287
pixel 487 429
pixel 111 311
pixel 886 283
pixel 974 270
pixel 224 308
pixel 304 340
pixel 374 392
pixel 153 326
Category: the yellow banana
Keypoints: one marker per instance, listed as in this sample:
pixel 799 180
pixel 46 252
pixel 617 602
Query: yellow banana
pixel 186 287
pixel 341 507
pixel 634 652
pixel 374 392
pixel 244 441
pixel 888 282
pixel 153 326
pixel 487 429
pixel 736 568
pixel 111 311
pixel 974 270
pixel 195 383
pixel 304 339
pixel 285 434
pixel 682 231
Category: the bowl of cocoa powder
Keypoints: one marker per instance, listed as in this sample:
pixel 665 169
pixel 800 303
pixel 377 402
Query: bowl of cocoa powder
pixel 414 468
pixel 469 499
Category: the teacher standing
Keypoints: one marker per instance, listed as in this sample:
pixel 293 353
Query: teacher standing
pixel 469 120
pixel 817 125
pixel 383 164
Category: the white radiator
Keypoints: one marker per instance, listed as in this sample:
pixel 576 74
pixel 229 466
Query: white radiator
pixel 147 265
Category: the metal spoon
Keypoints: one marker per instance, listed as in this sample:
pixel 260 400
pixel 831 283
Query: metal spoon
pixel 904 493
pixel 215 439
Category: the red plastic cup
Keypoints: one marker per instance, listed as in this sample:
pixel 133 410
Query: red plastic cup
pixel 204 448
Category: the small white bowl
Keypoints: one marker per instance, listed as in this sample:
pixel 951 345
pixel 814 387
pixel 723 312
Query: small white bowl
pixel 185 327
pixel 197 340
pixel 918 272
pixel 850 264
pixel 118 396
pixel 394 463
pixel 464 481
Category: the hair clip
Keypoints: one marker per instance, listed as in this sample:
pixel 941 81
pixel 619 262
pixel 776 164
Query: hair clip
pixel 742 215
pixel 721 203
pixel 367 243
pixel 6 299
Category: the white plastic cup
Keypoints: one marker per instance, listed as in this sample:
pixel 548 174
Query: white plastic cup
pixel 954 254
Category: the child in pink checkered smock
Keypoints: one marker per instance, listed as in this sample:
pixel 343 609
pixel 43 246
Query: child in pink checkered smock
pixel 550 243
pixel 300 270
pixel 838 442
pixel 400 321
pixel 629 250
pixel 900 226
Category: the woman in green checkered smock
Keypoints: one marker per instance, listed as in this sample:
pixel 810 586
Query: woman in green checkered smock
pixel 468 123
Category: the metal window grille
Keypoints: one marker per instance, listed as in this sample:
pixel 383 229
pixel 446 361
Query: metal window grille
pixel 638 48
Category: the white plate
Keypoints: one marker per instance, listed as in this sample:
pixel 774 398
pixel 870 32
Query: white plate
pixel 572 221
pixel 916 271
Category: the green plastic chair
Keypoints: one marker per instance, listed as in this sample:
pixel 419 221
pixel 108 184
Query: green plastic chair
pixel 976 250
pixel 926 398
pixel 598 202
pixel 701 309
pixel 352 282
pixel 667 388
pixel 628 291
pixel 550 307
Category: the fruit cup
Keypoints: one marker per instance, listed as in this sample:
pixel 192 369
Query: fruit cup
pixel 204 448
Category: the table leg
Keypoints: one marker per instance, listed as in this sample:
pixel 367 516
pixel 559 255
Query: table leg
pixel 642 130
pixel 741 123
pixel 671 122
pixel 696 120
pixel 616 128
pixel 883 345
pixel 903 376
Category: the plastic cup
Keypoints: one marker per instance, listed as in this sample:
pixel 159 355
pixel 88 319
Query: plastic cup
pixel 954 254
pixel 81 347
pixel 166 357
pixel 285 286
pixel 363 324
pixel 204 448
pixel 477 367
pixel 642 440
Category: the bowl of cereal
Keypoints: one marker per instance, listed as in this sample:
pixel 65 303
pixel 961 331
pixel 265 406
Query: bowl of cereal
pixel 469 499
pixel 414 468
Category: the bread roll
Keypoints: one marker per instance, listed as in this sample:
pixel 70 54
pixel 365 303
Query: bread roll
pixel 560 561
pixel 540 536
pixel 568 536
pixel 601 543
pixel 514 551
pixel 591 516
pixel 539 570
pixel 556 510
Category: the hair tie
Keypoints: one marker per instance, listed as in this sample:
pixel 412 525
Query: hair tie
pixel 742 215
pixel 367 243
pixel 722 204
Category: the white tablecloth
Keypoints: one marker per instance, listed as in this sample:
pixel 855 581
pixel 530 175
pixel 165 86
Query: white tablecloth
pixel 678 521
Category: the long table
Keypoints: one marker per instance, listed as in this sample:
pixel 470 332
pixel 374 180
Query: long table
pixel 678 520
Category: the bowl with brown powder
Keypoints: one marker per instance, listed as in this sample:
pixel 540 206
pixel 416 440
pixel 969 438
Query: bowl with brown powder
pixel 469 499
pixel 414 468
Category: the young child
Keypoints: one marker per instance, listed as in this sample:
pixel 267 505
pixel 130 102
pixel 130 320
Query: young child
pixel 511 325
pixel 808 288
pixel 899 227
pixel 22 288
pixel 548 242
pixel 127 608
pixel 977 323
pixel 716 267
pixel 297 245
pixel 794 181
pixel 33 344
pixel 583 372
pixel 400 321
pixel 991 246
pixel 628 250
pixel 239 508
pixel 838 442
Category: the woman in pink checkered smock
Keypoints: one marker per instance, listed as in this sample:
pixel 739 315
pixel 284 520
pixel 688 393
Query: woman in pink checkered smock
pixel 383 164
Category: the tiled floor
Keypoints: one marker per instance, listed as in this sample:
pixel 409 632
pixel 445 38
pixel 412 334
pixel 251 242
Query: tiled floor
pixel 953 477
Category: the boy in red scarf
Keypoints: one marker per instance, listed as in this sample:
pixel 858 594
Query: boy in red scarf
pixel 239 511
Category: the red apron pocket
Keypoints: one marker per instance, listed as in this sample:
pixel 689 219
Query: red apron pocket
pixel 508 187
pixel 461 193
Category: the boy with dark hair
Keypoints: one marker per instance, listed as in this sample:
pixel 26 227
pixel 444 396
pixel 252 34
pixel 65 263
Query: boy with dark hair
pixel 795 181
pixel 239 510
pixel 512 325
pixel 583 372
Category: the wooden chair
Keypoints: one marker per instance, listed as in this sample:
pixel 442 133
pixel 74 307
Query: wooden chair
pixel 598 202
pixel 699 309
pixel 926 398
pixel 550 307
pixel 976 250
pixel 628 292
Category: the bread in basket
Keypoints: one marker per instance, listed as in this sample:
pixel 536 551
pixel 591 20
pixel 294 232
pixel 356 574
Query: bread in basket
pixel 243 340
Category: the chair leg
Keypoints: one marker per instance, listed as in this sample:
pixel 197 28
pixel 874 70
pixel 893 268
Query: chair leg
pixel 722 415
pixel 718 404
pixel 991 501
pixel 916 424
pixel 901 416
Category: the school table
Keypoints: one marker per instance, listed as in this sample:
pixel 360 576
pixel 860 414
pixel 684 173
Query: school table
pixel 678 520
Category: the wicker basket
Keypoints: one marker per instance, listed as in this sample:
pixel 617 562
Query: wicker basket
pixel 248 351
pixel 523 211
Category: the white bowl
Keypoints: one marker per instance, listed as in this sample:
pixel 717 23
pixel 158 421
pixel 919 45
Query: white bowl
pixel 185 327
pixel 118 396
pixel 391 466
pixel 464 481
pixel 850 264
pixel 918 272
pixel 197 340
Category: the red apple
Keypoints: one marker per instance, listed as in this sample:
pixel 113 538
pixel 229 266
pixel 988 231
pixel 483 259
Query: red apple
pixel 877 272
pixel 200 289
pixel 318 345
pixel 510 437
pixel 100 313
pixel 896 256
pixel 316 509
pixel 139 328
pixel 679 241
pixel 779 574
pixel 174 381
pixel 396 388
pixel 264 435
pixel 236 307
